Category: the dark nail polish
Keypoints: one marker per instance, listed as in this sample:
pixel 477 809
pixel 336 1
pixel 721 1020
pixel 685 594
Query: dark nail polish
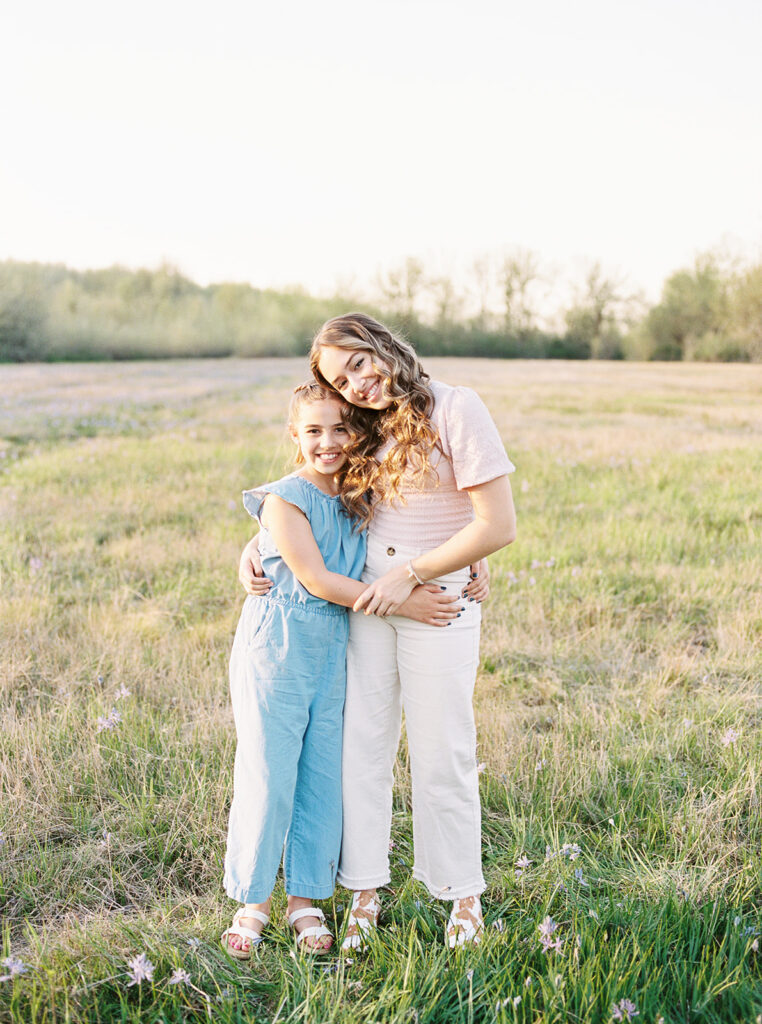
pixel 449 623
pixel 457 616
pixel 474 575
pixel 443 588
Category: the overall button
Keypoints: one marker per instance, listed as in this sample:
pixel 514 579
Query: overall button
pixel 390 552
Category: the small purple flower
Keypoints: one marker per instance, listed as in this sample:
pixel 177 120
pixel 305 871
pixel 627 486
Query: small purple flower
pixel 141 969
pixel 580 879
pixel 521 865
pixel 179 977
pixel 15 966
pixel 35 563
pixel 729 738
pixel 109 721
pixel 546 927
pixel 625 1009
pixel 122 692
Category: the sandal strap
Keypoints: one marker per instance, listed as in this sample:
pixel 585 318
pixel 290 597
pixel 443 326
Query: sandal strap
pixel 462 930
pixel 363 923
pixel 244 933
pixel 258 915
pixel 306 912
pixel 373 905
pixel 317 931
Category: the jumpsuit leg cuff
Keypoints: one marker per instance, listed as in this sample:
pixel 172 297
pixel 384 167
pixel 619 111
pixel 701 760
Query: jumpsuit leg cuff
pixel 309 892
pixel 243 895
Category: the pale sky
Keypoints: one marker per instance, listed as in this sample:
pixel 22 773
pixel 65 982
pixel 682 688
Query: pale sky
pixel 307 142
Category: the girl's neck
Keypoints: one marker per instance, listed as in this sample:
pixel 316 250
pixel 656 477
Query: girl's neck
pixel 325 483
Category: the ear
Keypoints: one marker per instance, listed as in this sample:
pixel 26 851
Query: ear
pixel 293 434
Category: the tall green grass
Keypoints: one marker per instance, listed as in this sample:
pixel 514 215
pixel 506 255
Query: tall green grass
pixel 618 704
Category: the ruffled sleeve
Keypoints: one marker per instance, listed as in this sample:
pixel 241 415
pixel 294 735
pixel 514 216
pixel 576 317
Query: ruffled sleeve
pixel 291 488
pixel 471 439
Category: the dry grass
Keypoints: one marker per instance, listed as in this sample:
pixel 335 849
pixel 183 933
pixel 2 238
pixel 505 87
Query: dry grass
pixel 618 702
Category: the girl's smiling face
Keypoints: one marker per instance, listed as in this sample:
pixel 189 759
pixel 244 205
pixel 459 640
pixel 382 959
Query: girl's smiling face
pixel 356 375
pixel 321 434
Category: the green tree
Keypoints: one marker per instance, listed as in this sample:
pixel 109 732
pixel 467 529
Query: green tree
pixel 689 321
pixel 22 325
pixel 594 322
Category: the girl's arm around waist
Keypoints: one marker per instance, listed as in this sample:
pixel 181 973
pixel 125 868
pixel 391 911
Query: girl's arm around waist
pixel 493 527
pixel 298 548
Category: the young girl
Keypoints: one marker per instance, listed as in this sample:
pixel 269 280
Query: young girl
pixel 436 467
pixel 287 681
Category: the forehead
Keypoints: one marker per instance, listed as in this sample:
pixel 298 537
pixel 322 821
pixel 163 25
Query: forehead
pixel 324 412
pixel 333 361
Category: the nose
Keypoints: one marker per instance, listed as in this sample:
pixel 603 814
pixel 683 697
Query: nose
pixel 356 385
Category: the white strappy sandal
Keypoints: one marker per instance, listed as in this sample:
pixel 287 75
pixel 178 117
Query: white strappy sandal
pixel 358 927
pixel 316 931
pixel 244 933
pixel 467 929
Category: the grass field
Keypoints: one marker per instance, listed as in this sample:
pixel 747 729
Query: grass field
pixel 618 704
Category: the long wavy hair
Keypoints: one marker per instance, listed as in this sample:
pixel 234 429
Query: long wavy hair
pixel 406 422
pixel 308 393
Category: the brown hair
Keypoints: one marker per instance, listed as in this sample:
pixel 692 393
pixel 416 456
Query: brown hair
pixel 308 393
pixel 406 421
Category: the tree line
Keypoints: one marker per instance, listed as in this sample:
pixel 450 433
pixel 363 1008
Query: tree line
pixel 709 311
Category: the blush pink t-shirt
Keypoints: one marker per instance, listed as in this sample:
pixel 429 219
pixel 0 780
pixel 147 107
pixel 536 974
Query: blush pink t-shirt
pixel 473 453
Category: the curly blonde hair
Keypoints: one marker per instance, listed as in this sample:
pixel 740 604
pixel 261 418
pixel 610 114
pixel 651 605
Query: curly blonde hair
pixel 406 421
pixel 308 393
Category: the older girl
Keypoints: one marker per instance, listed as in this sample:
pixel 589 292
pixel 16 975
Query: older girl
pixel 433 463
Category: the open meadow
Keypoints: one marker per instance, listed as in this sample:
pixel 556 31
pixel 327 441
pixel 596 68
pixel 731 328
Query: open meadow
pixel 619 704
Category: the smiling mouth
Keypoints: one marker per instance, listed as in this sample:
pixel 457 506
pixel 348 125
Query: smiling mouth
pixel 373 392
pixel 329 456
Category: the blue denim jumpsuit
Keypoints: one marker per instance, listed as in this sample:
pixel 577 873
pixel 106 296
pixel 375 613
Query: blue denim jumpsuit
pixel 287 682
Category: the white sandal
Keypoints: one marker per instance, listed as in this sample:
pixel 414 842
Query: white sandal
pixel 465 930
pixel 244 933
pixel 358 927
pixel 316 931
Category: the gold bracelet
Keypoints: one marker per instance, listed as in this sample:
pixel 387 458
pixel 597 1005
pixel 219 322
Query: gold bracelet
pixel 412 574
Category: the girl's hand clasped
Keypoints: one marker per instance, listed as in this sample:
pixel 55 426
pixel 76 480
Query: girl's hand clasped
pixel 385 595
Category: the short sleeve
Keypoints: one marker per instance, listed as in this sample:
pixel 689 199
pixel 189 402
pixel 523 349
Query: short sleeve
pixel 471 439
pixel 290 488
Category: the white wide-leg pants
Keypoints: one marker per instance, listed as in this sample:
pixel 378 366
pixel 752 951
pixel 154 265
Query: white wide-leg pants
pixel 429 671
